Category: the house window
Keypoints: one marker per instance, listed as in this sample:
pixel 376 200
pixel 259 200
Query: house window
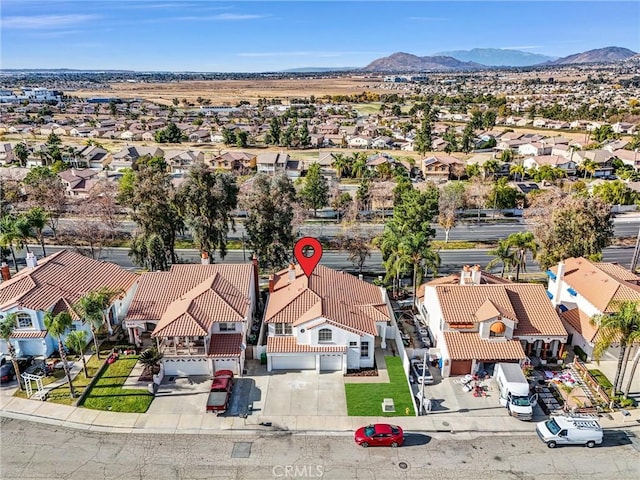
pixel 283 329
pixel 24 320
pixel 227 327
pixel 364 350
pixel 353 344
pixel 325 335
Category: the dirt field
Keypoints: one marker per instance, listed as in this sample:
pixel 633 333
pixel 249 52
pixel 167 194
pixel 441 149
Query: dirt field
pixel 229 92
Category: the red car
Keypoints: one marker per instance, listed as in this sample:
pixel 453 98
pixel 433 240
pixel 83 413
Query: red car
pixel 378 435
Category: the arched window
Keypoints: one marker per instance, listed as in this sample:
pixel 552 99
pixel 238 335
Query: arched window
pixel 324 335
pixel 24 320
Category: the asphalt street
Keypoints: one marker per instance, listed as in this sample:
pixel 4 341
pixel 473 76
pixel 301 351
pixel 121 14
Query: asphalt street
pixel 37 451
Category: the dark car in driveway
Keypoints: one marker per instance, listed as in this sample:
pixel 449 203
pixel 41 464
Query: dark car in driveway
pixel 379 435
pixel 7 372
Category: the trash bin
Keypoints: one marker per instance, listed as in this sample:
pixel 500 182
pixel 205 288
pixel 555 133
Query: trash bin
pixel 263 359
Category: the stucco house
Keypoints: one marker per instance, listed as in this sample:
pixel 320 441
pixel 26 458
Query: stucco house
pixel 329 321
pixel 477 324
pixel 197 316
pixel 440 168
pixel 581 289
pixel 54 284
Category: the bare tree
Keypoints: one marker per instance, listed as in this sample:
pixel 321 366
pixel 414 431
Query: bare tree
pixel 89 234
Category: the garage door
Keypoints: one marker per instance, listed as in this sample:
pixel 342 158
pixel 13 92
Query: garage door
pixel 330 362
pixel 460 367
pixel 293 362
pixel 226 364
pixel 183 367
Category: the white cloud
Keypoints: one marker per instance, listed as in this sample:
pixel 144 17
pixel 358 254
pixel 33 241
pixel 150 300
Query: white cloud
pixel 44 21
pixel 224 17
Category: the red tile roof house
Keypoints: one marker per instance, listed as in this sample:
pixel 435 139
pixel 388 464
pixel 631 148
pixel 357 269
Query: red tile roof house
pixel 476 325
pixel 328 321
pixel 54 284
pixel 198 315
pixel 582 289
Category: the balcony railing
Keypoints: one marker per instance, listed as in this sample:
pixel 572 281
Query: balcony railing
pixel 182 349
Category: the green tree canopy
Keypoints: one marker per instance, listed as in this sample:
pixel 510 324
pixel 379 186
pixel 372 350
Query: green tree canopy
pixel 315 193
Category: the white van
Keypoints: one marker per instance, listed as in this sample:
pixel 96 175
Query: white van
pixel 514 391
pixel 570 431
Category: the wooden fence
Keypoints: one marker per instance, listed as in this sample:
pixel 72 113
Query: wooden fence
pixel 590 380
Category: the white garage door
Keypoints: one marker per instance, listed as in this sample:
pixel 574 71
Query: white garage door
pixel 331 362
pixel 293 362
pixel 226 364
pixel 182 367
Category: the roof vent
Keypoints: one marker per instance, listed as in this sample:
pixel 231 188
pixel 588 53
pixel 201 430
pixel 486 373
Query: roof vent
pixel 292 272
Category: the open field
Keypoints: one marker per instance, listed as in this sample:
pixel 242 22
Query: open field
pixel 229 92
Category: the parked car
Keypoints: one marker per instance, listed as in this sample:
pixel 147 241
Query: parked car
pixel 379 435
pixel 24 362
pixel 420 373
pixel 560 430
pixel 220 392
pixel 6 372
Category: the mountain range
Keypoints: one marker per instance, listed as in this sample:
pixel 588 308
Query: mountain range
pixel 498 57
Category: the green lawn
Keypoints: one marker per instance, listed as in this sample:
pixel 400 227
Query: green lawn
pixel 107 393
pixel 365 399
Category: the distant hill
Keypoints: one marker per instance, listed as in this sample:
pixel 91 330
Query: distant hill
pixel 498 57
pixel 406 62
pixel 599 55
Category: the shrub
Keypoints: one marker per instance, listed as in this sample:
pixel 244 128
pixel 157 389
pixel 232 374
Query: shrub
pixel 580 353
pixel 602 380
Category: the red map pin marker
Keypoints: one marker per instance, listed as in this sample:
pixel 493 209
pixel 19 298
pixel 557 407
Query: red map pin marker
pixel 308 264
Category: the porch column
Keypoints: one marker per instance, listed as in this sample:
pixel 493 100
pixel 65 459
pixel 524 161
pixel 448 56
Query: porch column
pixel 268 363
pixel 529 348
pixel 188 340
pixel 561 350
pixel 132 339
pixel 543 354
pixel 318 363
pixel 383 335
pixel 474 363
pixel 554 348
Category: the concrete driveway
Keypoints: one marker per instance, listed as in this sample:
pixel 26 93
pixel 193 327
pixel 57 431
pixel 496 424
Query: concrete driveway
pixel 297 393
pixel 182 395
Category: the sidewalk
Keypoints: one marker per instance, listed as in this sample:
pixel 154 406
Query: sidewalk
pixel 103 421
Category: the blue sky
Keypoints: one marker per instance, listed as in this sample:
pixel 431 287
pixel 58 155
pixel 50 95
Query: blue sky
pixel 257 36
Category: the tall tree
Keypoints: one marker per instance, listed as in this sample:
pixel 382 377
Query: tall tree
pixel 37 220
pixel 91 308
pixel 522 243
pixel 424 138
pixel 45 189
pixel 567 225
pixel 358 164
pixel 10 236
pixel 273 135
pixel 206 200
pixel 7 326
pixel 57 326
pixel 518 171
pixel 269 202
pixel 21 151
pixel 315 193
pixel 621 327
pixel 341 164
pixel 76 341
pixel 451 198
pixel 304 139
pixel 170 134
pixel 502 254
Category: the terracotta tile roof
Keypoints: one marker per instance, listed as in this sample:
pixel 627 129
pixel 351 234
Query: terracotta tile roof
pixel 580 321
pixel 339 297
pixel 29 334
pixel 225 345
pixel 454 279
pixel 290 345
pixel 469 346
pixel 213 300
pixel 528 303
pixel 157 290
pixel 64 275
pixel 603 286
pixel 63 306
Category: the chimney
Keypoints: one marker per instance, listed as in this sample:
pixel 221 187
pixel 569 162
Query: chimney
pixel 204 258
pixel 476 275
pixel 32 261
pixel 291 274
pixel 272 283
pixel 559 280
pixel 4 271
pixel 73 172
pixel 360 277
pixel 465 276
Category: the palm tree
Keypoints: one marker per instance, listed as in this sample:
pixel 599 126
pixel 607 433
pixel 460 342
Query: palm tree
pixel 150 358
pixel 523 242
pixel 359 164
pixel 9 236
pixel 57 325
pixel 588 166
pixel 502 254
pixel 21 151
pixel 6 330
pixel 416 250
pixel 76 341
pixel 621 327
pixel 491 167
pixel 518 171
pixel 341 164
pixel 23 231
pixel 91 307
pixel 37 219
